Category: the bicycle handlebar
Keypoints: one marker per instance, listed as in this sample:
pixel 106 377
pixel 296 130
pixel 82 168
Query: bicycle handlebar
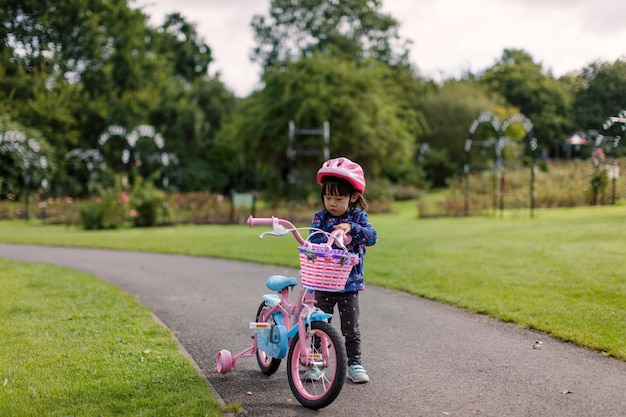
pixel 281 227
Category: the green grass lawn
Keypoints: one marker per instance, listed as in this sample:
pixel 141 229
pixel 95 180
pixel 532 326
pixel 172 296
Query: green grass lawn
pixel 562 271
pixel 73 345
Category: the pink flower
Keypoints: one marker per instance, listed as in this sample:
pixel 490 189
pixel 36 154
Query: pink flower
pixel 133 213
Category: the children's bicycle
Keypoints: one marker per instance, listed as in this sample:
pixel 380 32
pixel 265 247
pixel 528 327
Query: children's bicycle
pixel 299 331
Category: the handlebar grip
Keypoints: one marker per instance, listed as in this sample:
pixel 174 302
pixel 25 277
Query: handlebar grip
pixel 260 221
pixel 280 227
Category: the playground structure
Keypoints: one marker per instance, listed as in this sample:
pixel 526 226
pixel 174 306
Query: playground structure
pixel 300 145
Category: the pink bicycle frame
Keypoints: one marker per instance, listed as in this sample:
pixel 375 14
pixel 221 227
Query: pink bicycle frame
pixel 295 316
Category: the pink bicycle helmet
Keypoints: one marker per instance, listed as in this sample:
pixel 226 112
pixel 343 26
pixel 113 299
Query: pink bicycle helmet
pixel 343 168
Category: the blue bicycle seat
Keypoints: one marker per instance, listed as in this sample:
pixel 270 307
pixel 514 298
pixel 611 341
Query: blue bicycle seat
pixel 279 282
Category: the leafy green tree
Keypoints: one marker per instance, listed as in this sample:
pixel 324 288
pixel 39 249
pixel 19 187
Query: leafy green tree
pixel 26 160
pixel 336 61
pixel 191 121
pixel 37 33
pixel 181 45
pixel 600 94
pixel 349 29
pixel 369 120
pixel 449 111
pixel 52 51
pixel 539 96
pixel 71 69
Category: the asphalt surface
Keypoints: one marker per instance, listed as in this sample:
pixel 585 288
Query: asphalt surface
pixel 423 358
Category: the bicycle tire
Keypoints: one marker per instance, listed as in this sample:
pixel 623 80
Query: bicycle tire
pixel 268 364
pixel 321 392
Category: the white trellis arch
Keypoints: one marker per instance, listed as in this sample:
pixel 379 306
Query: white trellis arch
pixel 613 142
pixel 148 132
pixel 129 154
pixel 521 119
pixel 110 132
pixel 28 150
pixel 499 142
pixel 491 120
pixel 92 158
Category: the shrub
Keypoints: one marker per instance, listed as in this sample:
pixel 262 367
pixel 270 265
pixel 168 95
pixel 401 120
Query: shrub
pixel 146 203
pixel 198 207
pixel 407 192
pixel 107 211
pixel 379 193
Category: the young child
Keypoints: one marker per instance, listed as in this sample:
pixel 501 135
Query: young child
pixel 343 183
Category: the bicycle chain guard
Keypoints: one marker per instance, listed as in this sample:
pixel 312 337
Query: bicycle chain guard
pixel 273 341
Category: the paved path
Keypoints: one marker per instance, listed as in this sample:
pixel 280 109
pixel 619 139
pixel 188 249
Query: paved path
pixel 424 358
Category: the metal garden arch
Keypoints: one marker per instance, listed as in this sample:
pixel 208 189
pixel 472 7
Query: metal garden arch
pixel 499 142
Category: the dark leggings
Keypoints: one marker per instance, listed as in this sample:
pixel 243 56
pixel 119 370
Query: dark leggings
pixel 348 305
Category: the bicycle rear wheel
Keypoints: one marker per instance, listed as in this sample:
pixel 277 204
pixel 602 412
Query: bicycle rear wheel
pixel 267 363
pixel 316 373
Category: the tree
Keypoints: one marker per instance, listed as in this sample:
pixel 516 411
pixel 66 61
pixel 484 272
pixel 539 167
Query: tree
pixel 370 121
pixel 191 121
pixel 340 61
pixel 71 69
pixel 181 45
pixel 539 96
pixel 349 29
pixel 449 111
pixel 600 94
pixel 68 65
pixel 192 107
pixel 26 161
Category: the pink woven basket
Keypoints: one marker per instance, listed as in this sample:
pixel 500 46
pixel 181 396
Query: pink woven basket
pixel 325 269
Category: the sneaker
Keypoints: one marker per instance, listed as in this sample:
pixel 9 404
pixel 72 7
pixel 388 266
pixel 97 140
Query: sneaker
pixel 357 374
pixel 312 374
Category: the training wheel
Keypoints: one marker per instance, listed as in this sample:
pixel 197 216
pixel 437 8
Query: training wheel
pixel 224 361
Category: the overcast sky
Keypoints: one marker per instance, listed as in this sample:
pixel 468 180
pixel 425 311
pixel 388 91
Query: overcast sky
pixel 449 36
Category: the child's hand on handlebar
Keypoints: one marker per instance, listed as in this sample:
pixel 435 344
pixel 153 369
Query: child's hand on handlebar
pixel 346 227
pixel 343 238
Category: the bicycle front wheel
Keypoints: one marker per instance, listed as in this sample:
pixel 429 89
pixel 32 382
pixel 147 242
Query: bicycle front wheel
pixel 317 368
